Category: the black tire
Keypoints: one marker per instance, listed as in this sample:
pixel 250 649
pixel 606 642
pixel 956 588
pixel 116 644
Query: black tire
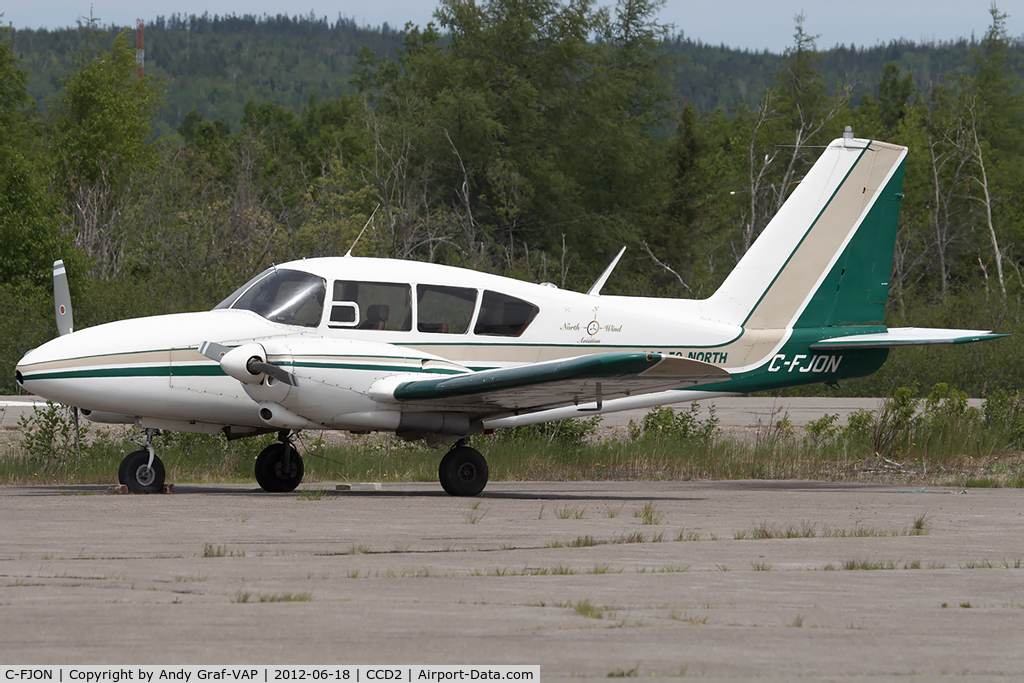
pixel 442 473
pixel 273 474
pixel 463 472
pixel 122 469
pixel 139 477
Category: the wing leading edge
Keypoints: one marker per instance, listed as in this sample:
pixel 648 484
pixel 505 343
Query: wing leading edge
pixel 572 381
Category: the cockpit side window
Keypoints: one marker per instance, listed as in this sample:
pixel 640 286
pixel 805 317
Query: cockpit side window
pixel 445 310
pixel 381 305
pixel 502 315
pixel 289 297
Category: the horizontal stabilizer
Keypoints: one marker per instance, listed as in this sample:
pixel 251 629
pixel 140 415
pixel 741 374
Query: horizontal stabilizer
pixel 581 380
pixel 904 336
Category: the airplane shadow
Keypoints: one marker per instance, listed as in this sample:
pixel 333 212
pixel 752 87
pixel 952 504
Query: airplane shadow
pixel 631 491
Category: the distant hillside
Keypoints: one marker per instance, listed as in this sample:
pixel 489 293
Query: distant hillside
pixel 712 76
pixel 216 64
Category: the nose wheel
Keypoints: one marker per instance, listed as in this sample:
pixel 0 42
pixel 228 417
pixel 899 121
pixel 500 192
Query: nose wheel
pixel 141 471
pixel 463 471
pixel 279 468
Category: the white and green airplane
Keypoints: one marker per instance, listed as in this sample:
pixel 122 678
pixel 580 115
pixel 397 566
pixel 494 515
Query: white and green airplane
pixel 439 353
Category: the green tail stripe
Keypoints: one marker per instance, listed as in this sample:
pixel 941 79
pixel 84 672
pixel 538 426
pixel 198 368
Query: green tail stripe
pixel 856 290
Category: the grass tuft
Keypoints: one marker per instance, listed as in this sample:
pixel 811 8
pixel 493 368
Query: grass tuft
pixel 583 542
pixel 649 514
pixel 286 597
pixel 210 550
pixel 624 673
pixel 585 608
pixel 570 512
pixel 869 565
pixel 635 537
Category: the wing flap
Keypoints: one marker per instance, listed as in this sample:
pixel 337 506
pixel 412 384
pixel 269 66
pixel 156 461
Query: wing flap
pixel 904 336
pixel 573 381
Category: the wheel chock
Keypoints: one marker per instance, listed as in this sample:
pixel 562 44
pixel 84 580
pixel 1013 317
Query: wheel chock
pixel 121 488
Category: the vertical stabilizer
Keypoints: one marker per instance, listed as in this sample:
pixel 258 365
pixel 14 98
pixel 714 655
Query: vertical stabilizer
pixel 826 257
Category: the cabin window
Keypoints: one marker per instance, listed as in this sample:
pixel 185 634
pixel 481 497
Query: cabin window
pixel 371 306
pixel 502 315
pixel 289 297
pixel 445 310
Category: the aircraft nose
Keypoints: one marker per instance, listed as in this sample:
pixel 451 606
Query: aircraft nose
pixel 47 370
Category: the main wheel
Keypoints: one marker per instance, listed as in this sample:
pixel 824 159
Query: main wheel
pixel 279 468
pixel 122 469
pixel 463 472
pixel 139 476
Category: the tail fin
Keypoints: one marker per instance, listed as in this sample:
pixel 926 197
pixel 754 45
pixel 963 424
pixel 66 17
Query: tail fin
pixel 826 257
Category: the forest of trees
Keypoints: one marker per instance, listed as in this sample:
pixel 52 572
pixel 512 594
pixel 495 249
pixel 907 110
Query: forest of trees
pixel 527 138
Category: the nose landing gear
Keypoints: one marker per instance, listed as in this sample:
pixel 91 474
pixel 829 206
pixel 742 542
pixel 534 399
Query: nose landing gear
pixel 463 471
pixel 141 471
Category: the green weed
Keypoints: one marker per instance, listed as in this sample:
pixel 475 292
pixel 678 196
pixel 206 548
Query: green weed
pixel 567 512
pixel 286 597
pixel 585 608
pixel 648 514
pixel 210 550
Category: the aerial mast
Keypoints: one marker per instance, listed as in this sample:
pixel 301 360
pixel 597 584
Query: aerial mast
pixel 140 51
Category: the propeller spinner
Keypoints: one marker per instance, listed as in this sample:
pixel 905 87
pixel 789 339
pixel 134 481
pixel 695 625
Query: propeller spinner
pixel 246 363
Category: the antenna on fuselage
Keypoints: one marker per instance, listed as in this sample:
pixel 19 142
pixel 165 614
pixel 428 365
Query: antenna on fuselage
pixel 349 252
pixel 595 289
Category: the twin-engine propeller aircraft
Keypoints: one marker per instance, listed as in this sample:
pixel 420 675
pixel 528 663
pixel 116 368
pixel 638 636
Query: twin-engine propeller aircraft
pixel 442 354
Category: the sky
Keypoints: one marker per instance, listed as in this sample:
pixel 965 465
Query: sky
pixel 751 24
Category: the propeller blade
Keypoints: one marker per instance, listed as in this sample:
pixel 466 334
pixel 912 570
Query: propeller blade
pixel 62 299
pixel 280 374
pixel 213 350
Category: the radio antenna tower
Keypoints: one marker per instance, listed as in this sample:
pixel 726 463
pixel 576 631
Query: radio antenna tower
pixel 140 51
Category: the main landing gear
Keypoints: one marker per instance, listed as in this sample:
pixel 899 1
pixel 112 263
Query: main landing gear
pixel 463 471
pixel 279 466
pixel 141 471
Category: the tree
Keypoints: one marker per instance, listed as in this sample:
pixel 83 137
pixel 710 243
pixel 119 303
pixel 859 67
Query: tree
pixel 30 219
pixel 101 146
pixel 520 128
pixel 792 118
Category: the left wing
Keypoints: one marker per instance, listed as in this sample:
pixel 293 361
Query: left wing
pixel 539 386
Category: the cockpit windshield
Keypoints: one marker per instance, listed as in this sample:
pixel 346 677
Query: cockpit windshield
pixel 290 297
